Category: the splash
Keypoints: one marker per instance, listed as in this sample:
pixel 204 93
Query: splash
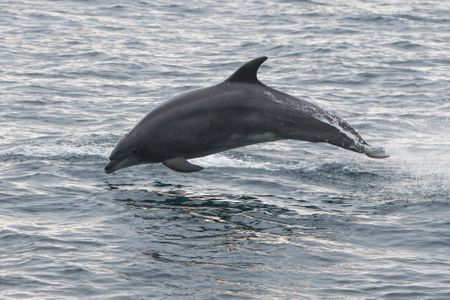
pixel 425 170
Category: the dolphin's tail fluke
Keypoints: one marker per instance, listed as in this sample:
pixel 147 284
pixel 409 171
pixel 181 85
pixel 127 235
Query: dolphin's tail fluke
pixel 376 152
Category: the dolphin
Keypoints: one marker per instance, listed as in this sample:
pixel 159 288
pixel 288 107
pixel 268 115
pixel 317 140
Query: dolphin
pixel 237 112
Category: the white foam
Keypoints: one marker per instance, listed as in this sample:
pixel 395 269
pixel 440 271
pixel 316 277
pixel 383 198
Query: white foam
pixel 221 160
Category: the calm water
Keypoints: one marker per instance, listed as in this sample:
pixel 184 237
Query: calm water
pixel 279 220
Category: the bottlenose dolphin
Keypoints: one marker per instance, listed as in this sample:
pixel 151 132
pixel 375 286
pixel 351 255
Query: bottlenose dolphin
pixel 237 112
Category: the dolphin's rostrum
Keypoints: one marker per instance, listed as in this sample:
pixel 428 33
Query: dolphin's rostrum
pixel 237 112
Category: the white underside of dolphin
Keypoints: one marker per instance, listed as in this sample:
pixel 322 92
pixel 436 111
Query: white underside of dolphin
pixel 237 112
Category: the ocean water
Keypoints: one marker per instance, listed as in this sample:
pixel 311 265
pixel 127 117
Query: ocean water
pixel 283 220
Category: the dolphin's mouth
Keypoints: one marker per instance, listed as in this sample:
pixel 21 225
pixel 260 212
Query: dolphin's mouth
pixel 114 165
pixel 117 164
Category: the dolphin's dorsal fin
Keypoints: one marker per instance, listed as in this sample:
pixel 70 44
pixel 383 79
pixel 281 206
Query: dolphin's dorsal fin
pixel 247 73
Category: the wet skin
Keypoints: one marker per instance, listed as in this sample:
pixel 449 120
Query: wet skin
pixel 237 112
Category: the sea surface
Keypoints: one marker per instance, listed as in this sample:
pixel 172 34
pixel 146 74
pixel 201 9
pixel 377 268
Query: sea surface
pixel 282 220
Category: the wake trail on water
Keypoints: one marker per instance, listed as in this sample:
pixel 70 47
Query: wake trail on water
pixel 54 151
pixel 101 151
pixel 427 166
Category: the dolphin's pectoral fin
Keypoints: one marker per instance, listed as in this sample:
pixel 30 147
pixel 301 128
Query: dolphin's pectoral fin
pixel 180 164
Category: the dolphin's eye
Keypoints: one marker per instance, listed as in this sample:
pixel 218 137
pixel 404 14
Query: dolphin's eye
pixel 134 151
